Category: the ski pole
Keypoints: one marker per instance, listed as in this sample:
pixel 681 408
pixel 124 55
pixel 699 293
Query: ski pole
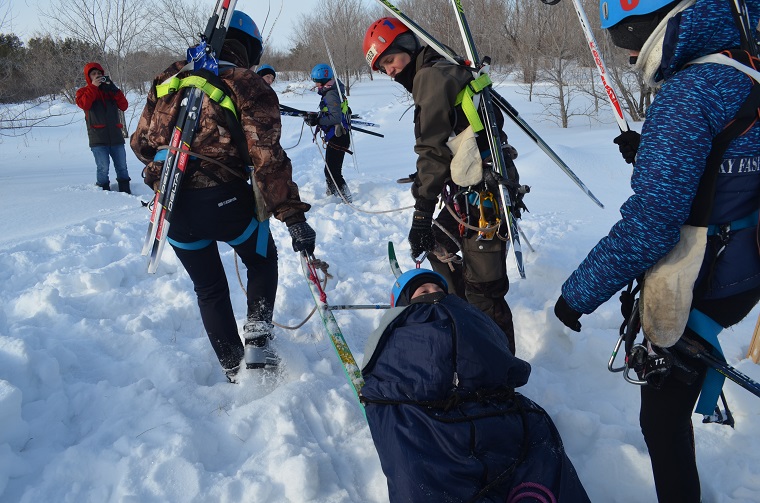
pixel 614 102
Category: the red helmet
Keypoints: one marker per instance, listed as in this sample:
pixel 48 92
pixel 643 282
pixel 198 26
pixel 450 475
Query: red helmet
pixel 380 35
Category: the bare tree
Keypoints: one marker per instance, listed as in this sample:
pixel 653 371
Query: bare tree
pixel 115 27
pixel 5 14
pixel 268 24
pixel 526 27
pixel 564 47
pixel 339 25
pixel 179 25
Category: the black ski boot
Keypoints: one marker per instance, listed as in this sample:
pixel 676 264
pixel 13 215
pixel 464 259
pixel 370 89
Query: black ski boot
pixel 124 185
pixel 104 186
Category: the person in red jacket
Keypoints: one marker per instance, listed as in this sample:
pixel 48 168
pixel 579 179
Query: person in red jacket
pixel 101 101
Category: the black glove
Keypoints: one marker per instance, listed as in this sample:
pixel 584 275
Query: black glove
pixel 108 85
pixel 628 144
pixel 303 237
pixel 421 236
pixel 312 119
pixel 567 314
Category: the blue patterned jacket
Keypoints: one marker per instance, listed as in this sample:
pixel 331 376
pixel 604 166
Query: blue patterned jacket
pixel 693 106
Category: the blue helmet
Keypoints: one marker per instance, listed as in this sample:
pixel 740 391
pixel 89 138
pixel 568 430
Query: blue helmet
pixel 244 30
pixel 613 11
pixel 321 73
pixel 405 285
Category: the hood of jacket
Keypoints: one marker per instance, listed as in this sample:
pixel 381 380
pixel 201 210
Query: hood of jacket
pixel 703 28
pixel 426 351
pixel 88 68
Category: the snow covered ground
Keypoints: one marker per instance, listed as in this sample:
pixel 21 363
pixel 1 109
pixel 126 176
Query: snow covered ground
pixel 110 391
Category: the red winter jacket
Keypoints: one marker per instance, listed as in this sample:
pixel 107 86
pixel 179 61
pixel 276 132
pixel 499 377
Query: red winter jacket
pixel 101 105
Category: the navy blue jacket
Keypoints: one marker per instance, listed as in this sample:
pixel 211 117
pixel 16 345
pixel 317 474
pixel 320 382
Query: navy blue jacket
pixel 330 108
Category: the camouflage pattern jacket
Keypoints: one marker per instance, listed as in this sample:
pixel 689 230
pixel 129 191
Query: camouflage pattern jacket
pixel 258 111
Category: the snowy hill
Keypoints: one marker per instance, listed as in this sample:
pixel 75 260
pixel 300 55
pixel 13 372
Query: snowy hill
pixel 110 391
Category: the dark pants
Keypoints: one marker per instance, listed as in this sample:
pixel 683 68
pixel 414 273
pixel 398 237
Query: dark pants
pixel 198 217
pixel 481 279
pixel 334 154
pixel 665 415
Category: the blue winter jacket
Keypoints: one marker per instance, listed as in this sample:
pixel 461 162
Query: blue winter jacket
pixel 693 106
pixel 330 109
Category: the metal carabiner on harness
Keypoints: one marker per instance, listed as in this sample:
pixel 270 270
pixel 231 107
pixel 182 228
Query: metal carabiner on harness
pixel 489 216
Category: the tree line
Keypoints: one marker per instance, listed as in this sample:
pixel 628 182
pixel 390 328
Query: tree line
pixel 542 46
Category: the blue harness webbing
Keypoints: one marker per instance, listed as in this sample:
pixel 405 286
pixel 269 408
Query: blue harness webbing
pixel 261 239
pixel 708 329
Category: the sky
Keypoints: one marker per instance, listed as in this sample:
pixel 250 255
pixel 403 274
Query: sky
pixel 110 391
pixel 25 19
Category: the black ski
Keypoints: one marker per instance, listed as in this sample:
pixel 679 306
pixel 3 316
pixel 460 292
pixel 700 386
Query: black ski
pixel 492 132
pixel 692 349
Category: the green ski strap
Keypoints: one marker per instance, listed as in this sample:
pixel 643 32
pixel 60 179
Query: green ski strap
pixel 214 93
pixel 464 98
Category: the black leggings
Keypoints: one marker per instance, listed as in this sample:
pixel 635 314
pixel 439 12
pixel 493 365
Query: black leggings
pixel 210 284
pixel 665 419
pixel 334 154
pixel 223 213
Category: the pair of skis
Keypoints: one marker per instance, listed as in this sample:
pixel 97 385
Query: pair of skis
pixel 203 56
pixel 294 112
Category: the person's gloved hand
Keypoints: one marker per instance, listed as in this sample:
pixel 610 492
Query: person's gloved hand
pixel 567 315
pixel 312 119
pixel 628 144
pixel 421 237
pixel 303 237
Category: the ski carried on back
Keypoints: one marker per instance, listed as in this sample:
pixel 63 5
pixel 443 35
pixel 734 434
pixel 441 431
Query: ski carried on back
pixel 498 100
pixel 492 132
pixel 352 370
pixel 178 155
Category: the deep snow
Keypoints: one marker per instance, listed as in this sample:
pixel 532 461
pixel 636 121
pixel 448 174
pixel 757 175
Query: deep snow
pixel 110 391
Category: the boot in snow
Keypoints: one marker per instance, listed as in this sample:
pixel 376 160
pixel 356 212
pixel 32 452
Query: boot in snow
pixel 258 347
pixel 124 185
pixel 346 194
pixel 104 186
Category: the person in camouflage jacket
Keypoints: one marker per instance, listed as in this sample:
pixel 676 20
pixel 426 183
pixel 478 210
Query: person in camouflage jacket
pixel 216 202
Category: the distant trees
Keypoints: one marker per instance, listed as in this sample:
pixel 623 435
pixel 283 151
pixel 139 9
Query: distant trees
pixel 540 44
